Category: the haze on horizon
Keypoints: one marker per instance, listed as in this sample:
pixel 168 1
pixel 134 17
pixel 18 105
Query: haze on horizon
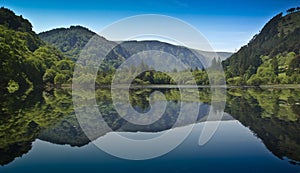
pixel 227 25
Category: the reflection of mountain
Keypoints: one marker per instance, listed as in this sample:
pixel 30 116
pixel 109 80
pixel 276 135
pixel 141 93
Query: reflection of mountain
pixel 50 117
pixel 68 131
pixel 280 130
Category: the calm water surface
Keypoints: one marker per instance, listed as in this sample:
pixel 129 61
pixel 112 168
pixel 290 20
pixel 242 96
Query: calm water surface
pixel 259 132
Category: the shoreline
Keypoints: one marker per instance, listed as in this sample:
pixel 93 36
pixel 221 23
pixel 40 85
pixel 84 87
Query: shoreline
pixel 156 86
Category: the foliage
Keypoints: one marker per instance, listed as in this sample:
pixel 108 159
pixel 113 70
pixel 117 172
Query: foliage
pixel 26 59
pixel 59 79
pixel 13 86
pixel 281 69
pixel 68 40
pixel 235 81
pixel 25 116
pixel 278 37
pixel 13 22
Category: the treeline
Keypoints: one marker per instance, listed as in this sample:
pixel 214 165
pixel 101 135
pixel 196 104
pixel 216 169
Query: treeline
pixel 292 10
pixel 105 78
pixel 284 68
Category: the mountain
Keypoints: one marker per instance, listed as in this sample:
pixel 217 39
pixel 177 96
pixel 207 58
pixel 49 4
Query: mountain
pixel 186 55
pixel 71 40
pixel 68 40
pixel 272 56
pixel 222 55
pixel 211 55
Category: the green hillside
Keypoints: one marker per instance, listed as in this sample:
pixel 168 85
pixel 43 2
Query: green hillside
pixel 68 40
pixel 27 62
pixel 271 57
pixel 72 40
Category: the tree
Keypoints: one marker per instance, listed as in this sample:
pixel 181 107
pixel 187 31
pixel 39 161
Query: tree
pixel 294 66
pixel 12 86
pixel 64 65
pixel 59 79
pixel 254 80
pixel 291 10
pixel 49 76
pixel 236 81
pixel 214 63
pixel 274 66
pixel 249 72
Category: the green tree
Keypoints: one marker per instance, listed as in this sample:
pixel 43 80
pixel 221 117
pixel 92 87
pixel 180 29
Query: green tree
pixel 59 79
pixel 254 80
pixel 294 66
pixel 49 76
pixel 274 65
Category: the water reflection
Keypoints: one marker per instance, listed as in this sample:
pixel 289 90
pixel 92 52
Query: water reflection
pixel 272 114
pixel 24 117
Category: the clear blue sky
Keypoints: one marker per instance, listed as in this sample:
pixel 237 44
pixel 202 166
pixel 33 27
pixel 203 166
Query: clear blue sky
pixel 227 24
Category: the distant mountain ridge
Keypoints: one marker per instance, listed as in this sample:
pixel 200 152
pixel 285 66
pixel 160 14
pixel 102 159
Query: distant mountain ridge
pixel 71 40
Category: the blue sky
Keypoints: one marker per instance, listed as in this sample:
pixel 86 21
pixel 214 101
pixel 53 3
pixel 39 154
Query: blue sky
pixel 226 24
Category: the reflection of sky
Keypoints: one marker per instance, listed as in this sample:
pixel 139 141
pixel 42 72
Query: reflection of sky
pixel 226 24
pixel 233 148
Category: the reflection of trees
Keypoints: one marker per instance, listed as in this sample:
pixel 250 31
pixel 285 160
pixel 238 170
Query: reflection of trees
pixel 24 117
pixel 272 115
pixel 139 99
pixel 50 117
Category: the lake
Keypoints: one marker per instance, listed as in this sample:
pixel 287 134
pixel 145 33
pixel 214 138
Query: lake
pixel 258 132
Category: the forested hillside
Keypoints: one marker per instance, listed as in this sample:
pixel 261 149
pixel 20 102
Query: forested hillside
pixel 271 57
pixel 26 61
pixel 72 40
pixel 68 40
